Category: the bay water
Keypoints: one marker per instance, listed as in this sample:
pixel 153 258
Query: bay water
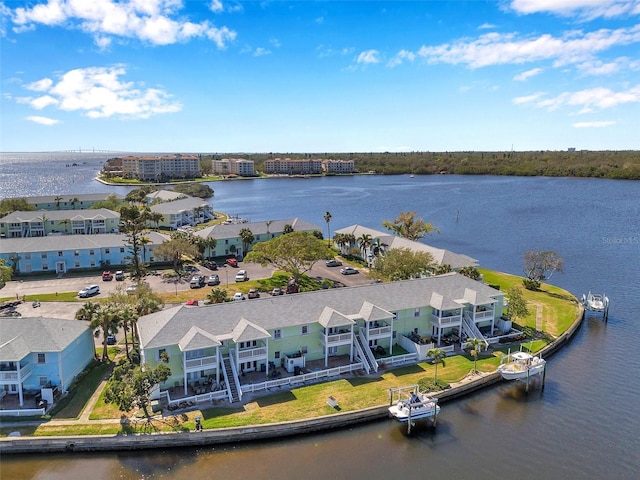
pixel 584 425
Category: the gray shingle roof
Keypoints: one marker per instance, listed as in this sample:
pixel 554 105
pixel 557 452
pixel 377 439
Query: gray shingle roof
pixel 52 243
pixel 223 231
pixel 440 255
pixel 58 215
pixel 169 326
pixel 22 336
pixel 190 203
pixel 83 197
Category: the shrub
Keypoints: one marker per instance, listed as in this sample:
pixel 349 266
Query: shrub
pixel 531 284
pixel 428 385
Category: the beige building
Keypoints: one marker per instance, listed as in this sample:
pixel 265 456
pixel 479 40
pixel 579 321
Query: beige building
pixel 157 168
pixel 288 166
pixel 233 166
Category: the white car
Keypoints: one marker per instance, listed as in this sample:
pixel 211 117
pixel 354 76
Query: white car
pixel 238 296
pixel 89 291
pixel 242 276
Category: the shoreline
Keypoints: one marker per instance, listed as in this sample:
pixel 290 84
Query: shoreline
pixel 103 443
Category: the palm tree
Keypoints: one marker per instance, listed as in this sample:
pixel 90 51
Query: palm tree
pixel 66 222
pixel 476 345
pixel 217 295
pixel 327 218
pixel 210 244
pixel 73 202
pixel 438 355
pixel 378 246
pixel 364 241
pixel 144 241
pixel 247 239
pixel 57 200
pixel 287 229
pixel 155 217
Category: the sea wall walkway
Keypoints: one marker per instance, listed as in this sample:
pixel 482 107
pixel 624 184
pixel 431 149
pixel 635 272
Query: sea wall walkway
pixel 90 443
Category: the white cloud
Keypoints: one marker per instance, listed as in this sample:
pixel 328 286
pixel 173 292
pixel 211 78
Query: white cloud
pixel 369 56
pixel 400 57
pixel 601 124
pixel 324 51
pixel 597 67
pixel 528 98
pixel 216 6
pixel 521 77
pixel 42 120
pixel 500 49
pixel 486 26
pixel 259 52
pixel 588 100
pixel 153 21
pixel 98 92
pixel 319 20
pixel 584 9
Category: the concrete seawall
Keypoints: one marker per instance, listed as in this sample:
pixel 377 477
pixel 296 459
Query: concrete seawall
pixel 94 443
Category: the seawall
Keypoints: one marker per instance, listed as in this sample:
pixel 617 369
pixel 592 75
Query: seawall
pixel 95 443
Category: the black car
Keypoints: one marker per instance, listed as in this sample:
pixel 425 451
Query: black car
pixel 210 265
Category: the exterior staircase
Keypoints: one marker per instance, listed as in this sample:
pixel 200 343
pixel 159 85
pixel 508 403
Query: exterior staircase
pixel 230 380
pixel 364 352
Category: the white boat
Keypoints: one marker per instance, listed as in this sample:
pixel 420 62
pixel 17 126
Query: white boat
pixel 521 365
pixel 417 406
pixel 595 302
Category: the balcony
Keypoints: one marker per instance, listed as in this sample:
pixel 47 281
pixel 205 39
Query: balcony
pixel 335 339
pixel 484 315
pixel 452 320
pixel 251 354
pixel 13 376
pixel 383 331
pixel 200 363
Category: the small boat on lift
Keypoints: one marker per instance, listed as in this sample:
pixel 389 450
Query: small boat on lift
pixel 521 365
pixel 595 302
pixel 417 406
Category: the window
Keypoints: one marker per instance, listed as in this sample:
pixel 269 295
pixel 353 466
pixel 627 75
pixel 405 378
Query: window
pixel 42 381
pixel 162 352
pixel 303 350
pixel 92 252
pixel 45 266
pixel 76 264
pixel 42 358
pixel 27 256
pixel 304 330
pixel 106 251
pixel 276 355
pixel 43 254
pixel 277 333
pixel 121 249
pixel 395 316
pixel 416 312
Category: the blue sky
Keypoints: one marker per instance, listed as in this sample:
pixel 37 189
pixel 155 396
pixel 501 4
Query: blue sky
pixel 319 76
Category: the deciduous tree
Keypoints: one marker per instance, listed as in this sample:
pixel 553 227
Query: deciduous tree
pixel 178 247
pixel 539 266
pixel 130 385
pixel 516 305
pixel 403 264
pixel 295 253
pixel 409 225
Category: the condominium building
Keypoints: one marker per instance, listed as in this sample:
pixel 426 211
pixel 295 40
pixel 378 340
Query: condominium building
pixel 338 166
pixel 156 168
pixel 288 166
pixel 233 166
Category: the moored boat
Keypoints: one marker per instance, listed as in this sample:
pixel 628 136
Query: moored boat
pixel 418 405
pixel 521 365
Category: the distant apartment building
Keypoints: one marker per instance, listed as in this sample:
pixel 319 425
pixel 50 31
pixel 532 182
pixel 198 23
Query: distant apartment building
pixel 233 166
pixel 288 166
pixel 157 168
pixel 338 166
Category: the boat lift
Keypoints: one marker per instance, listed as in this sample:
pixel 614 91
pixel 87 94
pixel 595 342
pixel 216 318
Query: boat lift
pixel 594 302
pixel 409 391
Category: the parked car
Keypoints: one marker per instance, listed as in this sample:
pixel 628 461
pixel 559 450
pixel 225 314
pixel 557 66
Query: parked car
pixel 89 291
pixel 348 271
pixel 192 303
pixel 210 265
pixel 107 276
pixel 238 296
pixel 119 275
pixel 232 262
pixel 253 293
pixel 213 280
pixel 197 281
pixel 111 340
pixel 333 263
pixel 190 269
pixel 277 291
pixel 242 276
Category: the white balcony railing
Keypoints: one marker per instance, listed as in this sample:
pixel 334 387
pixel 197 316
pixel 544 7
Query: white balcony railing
pixel 444 321
pixel 486 315
pixel 379 332
pixel 252 353
pixel 12 375
pixel 198 363
pixel 337 339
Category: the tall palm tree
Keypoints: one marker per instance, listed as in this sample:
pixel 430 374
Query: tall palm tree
pixel 210 244
pixel 364 242
pixel 476 345
pixel 327 218
pixel 144 241
pixel 57 200
pixel 378 246
pixel 438 355
pixel 73 202
pixel 155 217
pixel 66 222
pixel 247 239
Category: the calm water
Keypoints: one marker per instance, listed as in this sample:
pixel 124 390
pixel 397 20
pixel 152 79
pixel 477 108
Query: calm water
pixel 585 425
